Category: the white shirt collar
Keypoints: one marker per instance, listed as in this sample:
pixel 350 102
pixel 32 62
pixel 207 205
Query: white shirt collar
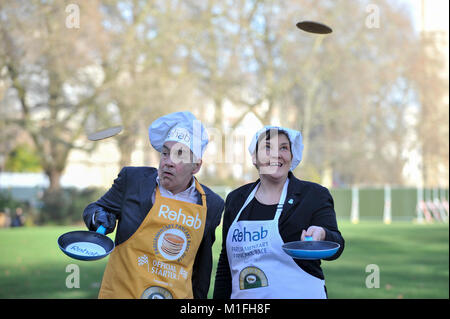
pixel 188 195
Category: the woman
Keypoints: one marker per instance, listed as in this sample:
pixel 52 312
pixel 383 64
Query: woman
pixel 261 216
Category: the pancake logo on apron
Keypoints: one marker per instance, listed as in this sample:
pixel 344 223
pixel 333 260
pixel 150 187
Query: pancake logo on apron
pixel 172 242
pixel 252 277
pixel 156 292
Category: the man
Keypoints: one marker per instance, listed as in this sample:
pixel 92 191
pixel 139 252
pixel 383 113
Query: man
pixel 166 218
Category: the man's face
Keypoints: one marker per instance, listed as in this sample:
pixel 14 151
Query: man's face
pixel 176 167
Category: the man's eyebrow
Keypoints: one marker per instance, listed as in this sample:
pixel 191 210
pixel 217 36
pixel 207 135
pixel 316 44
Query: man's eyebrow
pixel 165 148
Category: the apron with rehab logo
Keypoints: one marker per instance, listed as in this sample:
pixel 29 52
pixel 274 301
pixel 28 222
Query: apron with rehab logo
pixel 259 266
pixel 156 261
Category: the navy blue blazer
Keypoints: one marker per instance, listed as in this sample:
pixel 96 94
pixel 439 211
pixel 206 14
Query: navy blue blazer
pixel 130 199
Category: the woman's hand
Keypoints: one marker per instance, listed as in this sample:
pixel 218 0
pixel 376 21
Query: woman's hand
pixel 316 232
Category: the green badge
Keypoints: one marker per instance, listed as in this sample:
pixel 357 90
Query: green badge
pixel 252 277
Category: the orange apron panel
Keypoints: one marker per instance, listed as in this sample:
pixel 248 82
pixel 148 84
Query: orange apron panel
pixel 156 261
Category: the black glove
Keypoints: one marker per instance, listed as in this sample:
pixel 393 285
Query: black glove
pixel 105 219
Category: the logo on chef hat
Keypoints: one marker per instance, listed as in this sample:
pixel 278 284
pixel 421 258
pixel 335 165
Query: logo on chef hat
pixel 193 137
pixel 252 277
pixel 182 127
pixel 181 135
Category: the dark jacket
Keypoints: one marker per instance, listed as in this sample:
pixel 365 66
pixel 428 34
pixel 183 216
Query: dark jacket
pixel 130 199
pixel 312 205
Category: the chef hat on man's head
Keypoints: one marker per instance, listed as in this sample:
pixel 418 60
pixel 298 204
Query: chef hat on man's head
pixel 182 127
pixel 295 138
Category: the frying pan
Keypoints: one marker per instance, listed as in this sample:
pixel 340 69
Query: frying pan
pixel 109 132
pixel 310 250
pixel 86 245
pixel 314 27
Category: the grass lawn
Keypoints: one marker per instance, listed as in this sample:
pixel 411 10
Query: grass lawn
pixel 413 262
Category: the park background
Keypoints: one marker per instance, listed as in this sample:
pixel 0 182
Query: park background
pixel 371 100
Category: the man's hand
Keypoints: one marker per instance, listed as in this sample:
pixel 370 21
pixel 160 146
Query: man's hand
pixel 105 219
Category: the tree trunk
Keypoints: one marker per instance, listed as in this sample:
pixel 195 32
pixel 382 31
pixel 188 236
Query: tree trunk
pixel 54 202
pixel 223 171
pixel 54 177
pixel 126 144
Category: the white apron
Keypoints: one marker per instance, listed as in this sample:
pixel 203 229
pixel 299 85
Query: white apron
pixel 259 266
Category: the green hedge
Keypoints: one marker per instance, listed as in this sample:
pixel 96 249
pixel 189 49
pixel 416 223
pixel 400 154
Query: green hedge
pixel 67 206
pixel 371 202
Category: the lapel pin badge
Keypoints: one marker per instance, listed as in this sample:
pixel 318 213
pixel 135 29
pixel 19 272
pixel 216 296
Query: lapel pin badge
pixel 290 201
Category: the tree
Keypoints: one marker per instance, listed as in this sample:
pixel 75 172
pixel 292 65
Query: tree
pixel 353 90
pixel 23 159
pixel 431 85
pixel 55 74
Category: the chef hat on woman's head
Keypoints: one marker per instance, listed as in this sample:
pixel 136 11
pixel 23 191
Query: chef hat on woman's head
pixel 182 127
pixel 295 138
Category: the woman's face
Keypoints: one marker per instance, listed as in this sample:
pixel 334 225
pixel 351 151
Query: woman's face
pixel 274 157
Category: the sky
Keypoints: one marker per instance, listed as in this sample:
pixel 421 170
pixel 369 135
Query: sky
pixel 436 13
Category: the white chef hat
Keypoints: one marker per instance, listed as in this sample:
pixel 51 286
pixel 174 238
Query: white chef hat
pixel 182 127
pixel 295 137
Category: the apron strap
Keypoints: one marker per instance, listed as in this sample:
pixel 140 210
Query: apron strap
pixel 282 199
pixel 199 189
pixel 279 206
